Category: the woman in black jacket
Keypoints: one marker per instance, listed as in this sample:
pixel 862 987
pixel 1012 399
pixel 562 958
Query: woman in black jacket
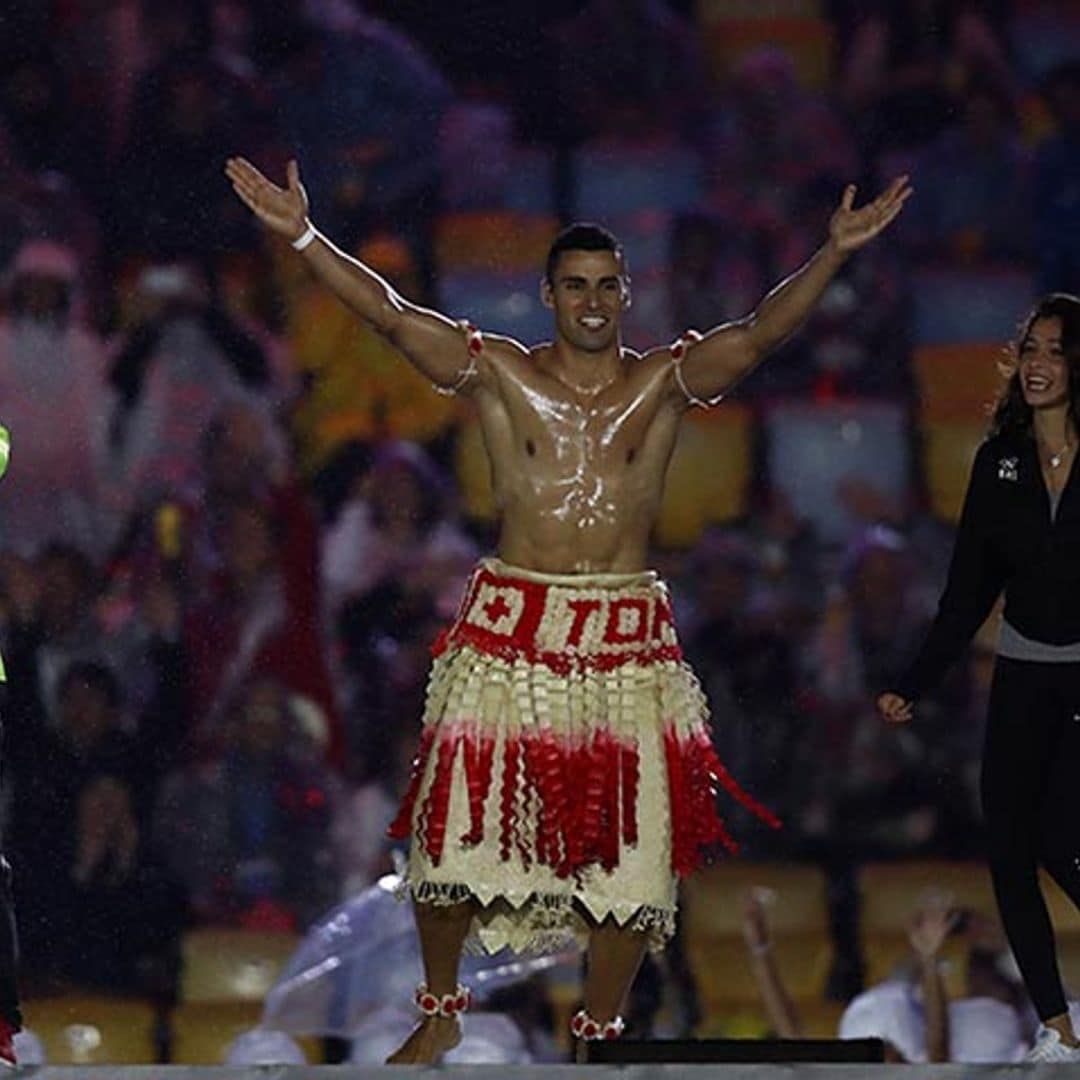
pixel 1020 532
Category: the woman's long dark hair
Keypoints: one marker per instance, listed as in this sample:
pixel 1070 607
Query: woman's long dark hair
pixel 1012 414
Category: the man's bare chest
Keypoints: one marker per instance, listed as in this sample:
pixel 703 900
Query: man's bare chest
pixel 598 432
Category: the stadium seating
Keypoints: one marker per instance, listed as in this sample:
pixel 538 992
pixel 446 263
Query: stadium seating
pixel 1042 34
pixel 224 964
pixel 93 1030
pixel 530 185
pixel 710 475
pixel 813 448
pixel 958 381
pixel 503 302
pixel 613 182
pixel 957 385
pixel 733 28
pixel 713 898
pixel 968 305
pixel 203 1031
pixel 713 902
pixel 493 241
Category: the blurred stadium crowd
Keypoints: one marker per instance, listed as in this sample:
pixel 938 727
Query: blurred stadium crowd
pixel 235 520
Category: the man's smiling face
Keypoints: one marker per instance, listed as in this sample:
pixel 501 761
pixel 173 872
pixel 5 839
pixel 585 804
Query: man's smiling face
pixel 588 293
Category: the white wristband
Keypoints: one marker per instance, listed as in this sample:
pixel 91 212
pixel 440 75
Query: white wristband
pixel 305 238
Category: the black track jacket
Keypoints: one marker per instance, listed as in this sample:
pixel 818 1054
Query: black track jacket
pixel 1006 540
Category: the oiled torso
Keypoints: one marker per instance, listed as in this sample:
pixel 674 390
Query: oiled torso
pixel 577 474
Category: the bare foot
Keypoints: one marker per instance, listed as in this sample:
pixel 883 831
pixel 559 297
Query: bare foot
pixel 430 1039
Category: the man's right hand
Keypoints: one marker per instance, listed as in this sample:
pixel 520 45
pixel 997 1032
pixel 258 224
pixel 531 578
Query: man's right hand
pixel 894 708
pixel 284 210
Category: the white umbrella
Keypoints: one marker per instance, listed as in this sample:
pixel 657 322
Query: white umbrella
pixel 365 956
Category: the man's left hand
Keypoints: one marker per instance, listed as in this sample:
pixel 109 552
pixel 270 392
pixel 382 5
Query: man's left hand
pixel 849 228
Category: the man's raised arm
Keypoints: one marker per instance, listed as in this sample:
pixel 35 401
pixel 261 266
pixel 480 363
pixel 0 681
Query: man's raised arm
pixel 713 364
pixel 432 342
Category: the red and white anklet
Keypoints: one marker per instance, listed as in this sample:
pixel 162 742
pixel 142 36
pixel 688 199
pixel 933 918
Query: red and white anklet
pixel 448 1005
pixel 589 1029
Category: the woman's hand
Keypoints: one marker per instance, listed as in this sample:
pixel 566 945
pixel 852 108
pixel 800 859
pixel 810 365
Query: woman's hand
pixel 894 708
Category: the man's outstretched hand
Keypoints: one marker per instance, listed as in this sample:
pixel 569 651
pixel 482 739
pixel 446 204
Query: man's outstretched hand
pixel 849 228
pixel 284 210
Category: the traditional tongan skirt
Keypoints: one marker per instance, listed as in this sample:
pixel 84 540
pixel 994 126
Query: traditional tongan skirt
pixel 565 767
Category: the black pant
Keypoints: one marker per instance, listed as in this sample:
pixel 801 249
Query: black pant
pixel 9 951
pixel 9 942
pixel 1031 803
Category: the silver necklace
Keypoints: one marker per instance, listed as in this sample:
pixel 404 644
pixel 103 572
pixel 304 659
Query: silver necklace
pixel 1059 457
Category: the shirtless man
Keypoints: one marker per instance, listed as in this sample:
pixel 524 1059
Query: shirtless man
pixel 560 712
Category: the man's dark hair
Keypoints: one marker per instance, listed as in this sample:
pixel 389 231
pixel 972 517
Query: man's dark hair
pixel 582 236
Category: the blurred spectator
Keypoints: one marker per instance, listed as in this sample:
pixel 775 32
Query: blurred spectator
pixel 361 108
pixel 856 341
pixel 172 202
pixel 789 585
pixel 974 203
pixel 911 1012
pixel 357 387
pixel 211 36
pixel 396 526
pixel 769 141
pixel 747 668
pixel 52 366
pixel 503 58
pixel 180 362
pixel 54 617
pixel 395 565
pixel 716 270
pixel 219 31
pixel 380 753
pixel 262 613
pixel 241 456
pixel 47 132
pixel 907 63
pixel 95 910
pixel 1056 187
pixel 100 48
pixel 52 620
pixel 385 640
pixel 359 828
pixel 247 831
pixel 629 68
pixel 47 207
pixel 874 795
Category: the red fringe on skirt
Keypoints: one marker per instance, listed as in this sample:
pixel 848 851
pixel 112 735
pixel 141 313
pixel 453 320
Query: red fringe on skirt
pixel 582 797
